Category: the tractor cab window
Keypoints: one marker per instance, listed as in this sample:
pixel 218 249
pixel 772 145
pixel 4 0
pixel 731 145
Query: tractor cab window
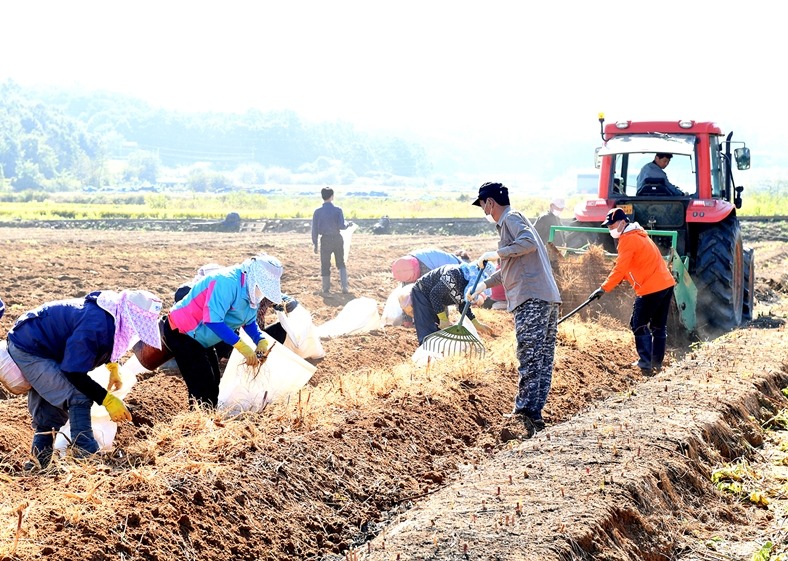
pixel 632 152
pixel 680 171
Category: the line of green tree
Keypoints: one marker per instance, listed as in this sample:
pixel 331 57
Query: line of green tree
pixel 57 139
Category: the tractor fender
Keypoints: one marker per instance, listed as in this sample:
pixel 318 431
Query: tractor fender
pixel 708 211
pixel 592 210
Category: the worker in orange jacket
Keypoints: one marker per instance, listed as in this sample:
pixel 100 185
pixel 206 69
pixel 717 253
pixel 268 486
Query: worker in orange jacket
pixel 641 264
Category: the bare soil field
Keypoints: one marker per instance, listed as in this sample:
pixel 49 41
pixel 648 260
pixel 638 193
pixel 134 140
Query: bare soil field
pixel 378 459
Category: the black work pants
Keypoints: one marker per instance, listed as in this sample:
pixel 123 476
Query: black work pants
pixel 331 244
pixel 199 366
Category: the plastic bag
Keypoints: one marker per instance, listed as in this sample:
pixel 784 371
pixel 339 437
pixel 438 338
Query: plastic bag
pixel 302 336
pixel 393 311
pixel 243 389
pixel 347 234
pixel 10 375
pixel 360 315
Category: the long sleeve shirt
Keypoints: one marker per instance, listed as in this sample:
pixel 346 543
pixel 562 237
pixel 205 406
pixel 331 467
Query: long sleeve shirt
pixel 651 171
pixel 542 227
pixel 220 297
pixel 327 220
pixel 640 263
pixel 525 267
pixel 432 257
pixel 77 334
pixel 444 286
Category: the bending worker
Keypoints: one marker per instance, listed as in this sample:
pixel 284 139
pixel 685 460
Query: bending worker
pixel 642 265
pixel 441 287
pixel 58 343
pixel 219 303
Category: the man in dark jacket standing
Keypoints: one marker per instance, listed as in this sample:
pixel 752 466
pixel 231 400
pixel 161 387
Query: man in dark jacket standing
pixel 552 217
pixel 327 221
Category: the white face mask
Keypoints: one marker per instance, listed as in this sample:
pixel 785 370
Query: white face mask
pixel 615 233
pixel 489 217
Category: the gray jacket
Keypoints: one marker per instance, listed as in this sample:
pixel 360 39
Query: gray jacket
pixel 525 268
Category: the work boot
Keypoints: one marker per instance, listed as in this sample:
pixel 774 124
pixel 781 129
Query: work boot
pixel 327 285
pixel 41 451
pixel 658 352
pixel 643 346
pixel 82 438
pixel 343 280
pixel 518 427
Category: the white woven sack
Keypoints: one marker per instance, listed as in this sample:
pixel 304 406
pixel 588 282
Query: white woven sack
pixel 10 375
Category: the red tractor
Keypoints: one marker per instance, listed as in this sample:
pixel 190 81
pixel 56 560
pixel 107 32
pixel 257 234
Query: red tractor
pixel 696 209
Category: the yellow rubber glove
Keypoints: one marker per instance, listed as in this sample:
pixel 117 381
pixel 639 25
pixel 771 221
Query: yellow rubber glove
pixel 482 327
pixel 115 383
pixel 248 352
pixel 443 319
pixel 116 408
pixel 262 348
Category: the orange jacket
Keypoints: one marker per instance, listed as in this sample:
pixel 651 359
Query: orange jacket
pixel 640 263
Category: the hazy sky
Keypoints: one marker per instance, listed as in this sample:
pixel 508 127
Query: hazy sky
pixel 513 69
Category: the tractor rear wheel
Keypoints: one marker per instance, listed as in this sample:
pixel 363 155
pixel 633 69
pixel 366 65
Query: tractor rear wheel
pixel 748 303
pixel 719 276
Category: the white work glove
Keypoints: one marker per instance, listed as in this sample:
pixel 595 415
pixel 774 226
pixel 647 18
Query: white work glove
pixel 487 256
pixel 472 296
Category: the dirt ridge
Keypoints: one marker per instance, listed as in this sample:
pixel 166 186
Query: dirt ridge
pixel 609 494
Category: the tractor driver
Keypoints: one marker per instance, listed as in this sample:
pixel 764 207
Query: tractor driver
pixel 655 171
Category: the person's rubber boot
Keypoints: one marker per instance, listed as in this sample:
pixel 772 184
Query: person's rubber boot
pixel 343 280
pixel 658 352
pixel 82 438
pixel 643 346
pixel 41 450
pixel 326 285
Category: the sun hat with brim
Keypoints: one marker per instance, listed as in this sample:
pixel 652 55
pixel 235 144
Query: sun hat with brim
pixel 263 273
pixel 614 215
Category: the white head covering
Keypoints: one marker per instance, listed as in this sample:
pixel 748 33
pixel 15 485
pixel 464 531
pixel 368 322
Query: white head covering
pixel 263 273
pixel 206 270
pixel 558 203
pixel 136 314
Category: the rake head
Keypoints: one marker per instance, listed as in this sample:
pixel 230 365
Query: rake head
pixel 452 341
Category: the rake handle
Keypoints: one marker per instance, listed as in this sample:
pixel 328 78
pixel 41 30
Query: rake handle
pixel 475 284
pixel 573 312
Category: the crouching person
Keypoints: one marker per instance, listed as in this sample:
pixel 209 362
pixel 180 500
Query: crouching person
pixel 442 287
pixel 217 305
pixel 58 343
